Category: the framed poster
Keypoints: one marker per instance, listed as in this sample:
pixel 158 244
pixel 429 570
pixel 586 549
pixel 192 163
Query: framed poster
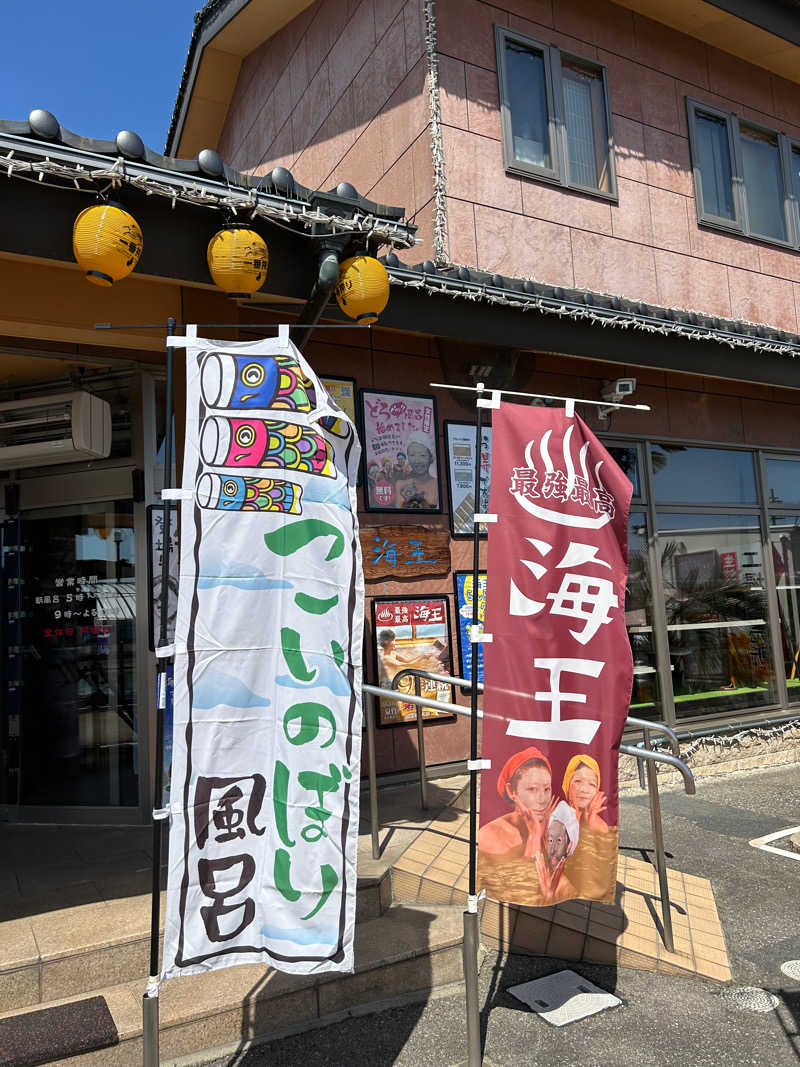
pixel 343 392
pixel 412 631
pixel 155 548
pixel 462 581
pixel 401 463
pixel 460 447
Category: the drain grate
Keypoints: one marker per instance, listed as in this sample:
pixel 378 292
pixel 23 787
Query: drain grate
pixel 564 997
pixel 750 998
pixel 791 969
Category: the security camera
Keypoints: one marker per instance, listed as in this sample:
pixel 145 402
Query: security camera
pixel 615 392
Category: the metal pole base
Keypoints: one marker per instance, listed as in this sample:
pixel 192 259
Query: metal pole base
pixel 150 1054
pixel 470 954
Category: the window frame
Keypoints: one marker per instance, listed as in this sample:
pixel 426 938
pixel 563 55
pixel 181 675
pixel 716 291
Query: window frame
pixel 558 173
pixel 740 224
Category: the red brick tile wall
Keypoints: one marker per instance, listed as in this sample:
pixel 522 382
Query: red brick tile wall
pixel 339 94
pixel 649 246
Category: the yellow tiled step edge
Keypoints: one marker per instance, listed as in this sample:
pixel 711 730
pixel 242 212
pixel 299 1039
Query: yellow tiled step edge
pixel 434 870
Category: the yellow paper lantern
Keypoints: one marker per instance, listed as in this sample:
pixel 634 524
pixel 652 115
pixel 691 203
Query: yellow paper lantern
pixel 238 259
pixel 107 243
pixel 363 288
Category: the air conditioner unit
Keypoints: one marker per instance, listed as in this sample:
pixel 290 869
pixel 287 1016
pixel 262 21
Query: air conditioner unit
pixel 59 428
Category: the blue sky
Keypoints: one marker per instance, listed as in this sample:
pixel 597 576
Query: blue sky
pixel 99 67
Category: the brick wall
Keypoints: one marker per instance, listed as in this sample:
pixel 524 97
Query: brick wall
pixel 340 95
pixel 649 246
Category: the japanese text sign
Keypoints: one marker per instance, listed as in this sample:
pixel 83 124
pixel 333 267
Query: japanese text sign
pixel 400 452
pixel 464 604
pixel 460 442
pixel 404 551
pixel 267 691
pixel 559 669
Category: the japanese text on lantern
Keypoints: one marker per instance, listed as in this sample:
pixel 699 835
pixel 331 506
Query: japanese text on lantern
pixel 571 588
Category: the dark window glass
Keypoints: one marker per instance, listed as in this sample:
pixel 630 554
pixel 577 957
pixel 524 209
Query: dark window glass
pixel 527 102
pixel 763 182
pixel 628 460
pixel 645 695
pixel 783 482
pixel 784 535
pixel 796 173
pixel 71 733
pixel 587 130
pixel 716 611
pixel 714 163
pixel 686 475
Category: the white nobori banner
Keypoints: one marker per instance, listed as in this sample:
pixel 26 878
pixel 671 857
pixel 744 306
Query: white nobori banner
pixel 268 644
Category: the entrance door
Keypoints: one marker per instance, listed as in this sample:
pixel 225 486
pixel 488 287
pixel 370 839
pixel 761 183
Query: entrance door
pixel 69 722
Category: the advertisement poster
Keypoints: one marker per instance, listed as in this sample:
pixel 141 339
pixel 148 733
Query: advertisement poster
pixel 343 392
pixel 400 452
pixel 559 670
pixel 412 632
pixel 460 445
pixel 464 602
pixel 267 688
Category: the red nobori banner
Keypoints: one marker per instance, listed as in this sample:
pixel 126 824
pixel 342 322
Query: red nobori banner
pixel 559 669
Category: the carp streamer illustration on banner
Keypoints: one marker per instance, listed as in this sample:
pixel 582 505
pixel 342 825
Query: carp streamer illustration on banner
pixel 226 442
pixel 559 669
pixel 261 382
pixel 233 493
pixel 268 647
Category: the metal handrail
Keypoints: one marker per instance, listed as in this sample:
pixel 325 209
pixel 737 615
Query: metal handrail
pixel 659 728
pixel 648 757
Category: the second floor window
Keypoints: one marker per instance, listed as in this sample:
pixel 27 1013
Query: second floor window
pixel 555 118
pixel 746 176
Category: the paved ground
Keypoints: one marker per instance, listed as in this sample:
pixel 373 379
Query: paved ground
pixel 662 1021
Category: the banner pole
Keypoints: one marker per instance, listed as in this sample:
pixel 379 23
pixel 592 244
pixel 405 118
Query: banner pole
pixel 471 920
pixel 150 1020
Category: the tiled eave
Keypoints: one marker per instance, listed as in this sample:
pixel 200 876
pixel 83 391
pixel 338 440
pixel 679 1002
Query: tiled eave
pixel 56 157
pixel 580 305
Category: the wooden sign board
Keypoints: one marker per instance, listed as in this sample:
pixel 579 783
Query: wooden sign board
pixel 404 551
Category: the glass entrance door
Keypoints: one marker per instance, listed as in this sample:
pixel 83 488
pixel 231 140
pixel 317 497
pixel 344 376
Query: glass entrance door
pixel 69 724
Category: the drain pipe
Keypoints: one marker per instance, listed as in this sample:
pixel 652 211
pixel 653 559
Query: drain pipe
pixel 327 277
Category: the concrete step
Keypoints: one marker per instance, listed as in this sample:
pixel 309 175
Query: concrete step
pixel 403 951
pixel 63 952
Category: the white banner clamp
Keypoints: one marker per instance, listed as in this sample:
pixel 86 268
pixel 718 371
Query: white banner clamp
pixel 177 494
pixel 478 637
pixel 160 813
pixel 165 650
pixel 176 341
pixel 479 764
pixel 474 899
pixel 569 408
pixel 492 401
pixel 480 518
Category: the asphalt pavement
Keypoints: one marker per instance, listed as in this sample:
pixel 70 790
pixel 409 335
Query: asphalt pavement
pixel 662 1021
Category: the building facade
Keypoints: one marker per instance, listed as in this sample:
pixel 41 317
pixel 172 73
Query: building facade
pixel 631 165
pixel 600 192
